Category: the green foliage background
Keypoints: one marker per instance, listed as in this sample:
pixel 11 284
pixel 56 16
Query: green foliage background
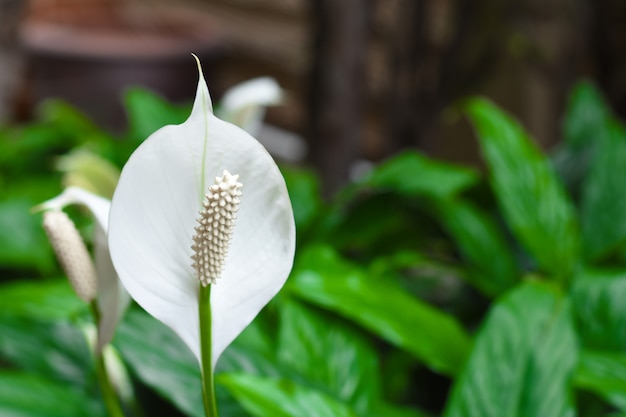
pixel 426 289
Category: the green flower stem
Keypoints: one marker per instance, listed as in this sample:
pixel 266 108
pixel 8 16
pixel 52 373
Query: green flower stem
pixel 208 384
pixel 111 400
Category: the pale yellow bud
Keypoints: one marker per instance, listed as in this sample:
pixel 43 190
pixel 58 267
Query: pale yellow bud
pixel 72 253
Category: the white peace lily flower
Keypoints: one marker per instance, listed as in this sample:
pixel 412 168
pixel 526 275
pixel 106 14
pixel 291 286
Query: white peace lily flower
pixel 112 298
pixel 178 222
pixel 245 104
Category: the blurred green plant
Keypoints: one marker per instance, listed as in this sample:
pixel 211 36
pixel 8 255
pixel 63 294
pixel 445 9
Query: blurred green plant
pixel 425 289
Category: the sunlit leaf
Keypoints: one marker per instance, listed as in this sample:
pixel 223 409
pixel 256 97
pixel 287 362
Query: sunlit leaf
pixel 323 278
pixel 599 308
pixel 522 361
pixel 263 396
pixel 329 354
pixel 148 112
pixel 604 194
pixel 40 299
pixel 605 374
pixel 25 395
pixel 532 199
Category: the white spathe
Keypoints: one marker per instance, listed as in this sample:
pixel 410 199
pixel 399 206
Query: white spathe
pixel 154 212
pixel 245 104
pixel 112 298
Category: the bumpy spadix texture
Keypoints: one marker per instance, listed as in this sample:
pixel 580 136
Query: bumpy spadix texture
pixel 154 213
pixel 72 253
pixel 112 297
pixel 215 227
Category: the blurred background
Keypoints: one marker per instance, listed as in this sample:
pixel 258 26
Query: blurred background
pixel 413 255
pixel 364 78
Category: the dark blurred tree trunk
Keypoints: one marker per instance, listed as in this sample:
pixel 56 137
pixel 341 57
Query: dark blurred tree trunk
pixel 11 12
pixel 337 87
pixel 609 49
pixel 438 51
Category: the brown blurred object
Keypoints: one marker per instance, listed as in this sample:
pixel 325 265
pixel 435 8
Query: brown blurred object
pixel 88 51
pixel 11 12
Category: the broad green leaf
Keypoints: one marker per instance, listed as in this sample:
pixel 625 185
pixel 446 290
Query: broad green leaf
pixel 532 199
pixel 23 243
pixel 386 410
pixel 25 395
pixel 411 173
pixel 376 224
pixel 321 277
pixel 586 111
pixel 329 354
pixel 304 192
pixel 161 360
pixel 54 350
pixel 40 299
pixel 522 361
pixel 599 308
pixel 585 120
pixel 263 397
pixel 604 195
pixel 148 112
pixel 492 268
pixel 605 374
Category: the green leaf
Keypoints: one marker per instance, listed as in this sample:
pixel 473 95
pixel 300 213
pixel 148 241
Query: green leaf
pixel 522 359
pixel 585 120
pixel 23 243
pixel 321 277
pixel 604 195
pixel 532 199
pixel 23 395
pixel 161 360
pixel 148 112
pixel 263 396
pixel 55 350
pixel 586 111
pixel 605 374
pixel 599 308
pixel 492 268
pixel 40 299
pixel 304 192
pixel 411 173
pixel 329 354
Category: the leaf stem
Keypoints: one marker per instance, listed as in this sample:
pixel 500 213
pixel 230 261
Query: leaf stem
pixel 208 384
pixel 111 400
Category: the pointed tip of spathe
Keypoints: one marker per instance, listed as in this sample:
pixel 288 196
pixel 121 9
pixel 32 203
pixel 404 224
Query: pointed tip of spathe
pixel 199 64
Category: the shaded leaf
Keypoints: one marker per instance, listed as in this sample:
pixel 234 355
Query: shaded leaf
pixel 54 350
pixel 531 197
pixel 585 120
pixel 412 173
pixel 161 360
pixel 492 268
pixel 522 360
